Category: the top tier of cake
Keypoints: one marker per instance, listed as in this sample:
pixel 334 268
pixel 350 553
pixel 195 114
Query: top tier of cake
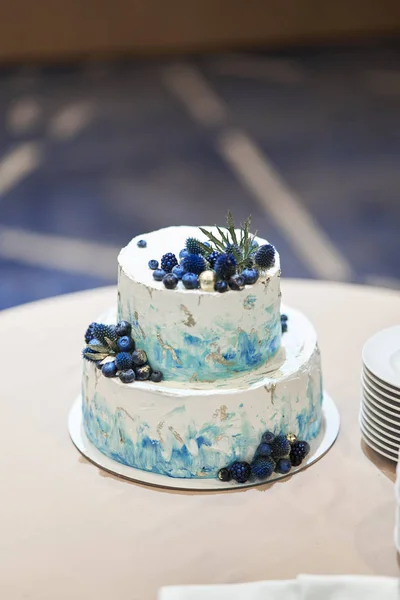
pixel 196 335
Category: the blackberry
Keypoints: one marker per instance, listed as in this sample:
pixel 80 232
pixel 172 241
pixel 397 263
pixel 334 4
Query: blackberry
pixel 89 335
pixel 212 257
pixel 194 263
pixel 193 246
pixel 240 471
pixel 224 475
pixel 262 467
pixel 168 262
pixel 280 447
pixel 298 452
pixel 123 360
pixel 225 266
pixel 265 256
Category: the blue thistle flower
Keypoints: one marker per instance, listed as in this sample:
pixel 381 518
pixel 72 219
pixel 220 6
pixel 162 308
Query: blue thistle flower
pixel 194 263
pixel 262 467
pixel 225 266
pixel 193 246
pixel 101 332
pixel 168 262
pixel 234 250
pixel 265 256
pixel 280 447
pixel 123 361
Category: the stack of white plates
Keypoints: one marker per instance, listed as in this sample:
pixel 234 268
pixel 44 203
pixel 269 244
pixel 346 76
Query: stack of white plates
pixel 380 404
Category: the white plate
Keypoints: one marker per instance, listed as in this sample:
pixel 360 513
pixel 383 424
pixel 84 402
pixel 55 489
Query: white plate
pixel 330 430
pixel 383 439
pixel 379 413
pixel 379 427
pixel 381 355
pixel 382 403
pixel 388 388
pixel 380 390
pixel 382 397
pixel 386 453
pixel 378 422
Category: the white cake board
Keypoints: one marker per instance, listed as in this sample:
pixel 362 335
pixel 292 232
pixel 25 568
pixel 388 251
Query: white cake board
pixel 329 432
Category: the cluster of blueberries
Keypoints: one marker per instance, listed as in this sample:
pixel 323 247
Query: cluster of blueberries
pixel 194 260
pixel 112 349
pixel 275 453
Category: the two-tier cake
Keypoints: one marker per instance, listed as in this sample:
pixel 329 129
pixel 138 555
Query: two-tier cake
pixel 197 374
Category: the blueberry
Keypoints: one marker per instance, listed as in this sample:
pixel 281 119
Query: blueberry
pixel 268 437
pixel 153 264
pixel 178 271
pixel 123 328
pixel 143 373
pixel 139 358
pixel 142 244
pixel 284 326
pixel 237 282
pixel 156 376
pixel 127 376
pixel 109 369
pixel 125 344
pixel 159 274
pixel 221 286
pixel 283 466
pixel 99 364
pixel 190 281
pixel 224 475
pixel 250 276
pixel 170 281
pixel 183 253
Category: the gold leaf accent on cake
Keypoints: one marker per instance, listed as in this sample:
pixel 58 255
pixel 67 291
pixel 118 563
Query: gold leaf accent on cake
pixel 121 437
pixel 166 347
pixel 159 428
pixel 218 358
pixel 201 474
pixel 189 321
pixel 176 434
pixel 150 290
pixel 270 389
pixel 221 412
pixel 138 325
pixel 193 378
pixel 122 410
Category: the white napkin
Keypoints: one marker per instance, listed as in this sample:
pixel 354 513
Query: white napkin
pixel 305 587
pixel 258 590
pixel 347 587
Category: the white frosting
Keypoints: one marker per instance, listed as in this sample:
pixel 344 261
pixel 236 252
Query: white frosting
pixel 192 335
pixel 185 431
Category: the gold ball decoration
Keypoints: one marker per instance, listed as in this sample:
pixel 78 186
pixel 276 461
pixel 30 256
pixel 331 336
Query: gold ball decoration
pixel 291 438
pixel 207 280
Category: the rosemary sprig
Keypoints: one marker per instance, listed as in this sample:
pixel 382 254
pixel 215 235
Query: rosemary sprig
pixel 244 244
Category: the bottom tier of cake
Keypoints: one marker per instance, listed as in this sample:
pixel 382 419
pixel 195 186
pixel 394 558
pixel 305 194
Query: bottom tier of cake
pixel 192 432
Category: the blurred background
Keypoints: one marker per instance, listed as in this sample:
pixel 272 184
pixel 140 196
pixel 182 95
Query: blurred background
pixel 121 117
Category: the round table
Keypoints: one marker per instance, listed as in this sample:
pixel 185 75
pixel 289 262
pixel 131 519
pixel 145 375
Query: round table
pixel 69 530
